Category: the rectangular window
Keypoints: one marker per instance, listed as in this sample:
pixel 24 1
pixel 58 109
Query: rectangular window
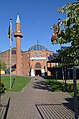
pixel 13 51
pixel 35 54
pixel 28 55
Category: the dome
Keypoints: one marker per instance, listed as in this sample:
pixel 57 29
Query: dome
pixel 37 47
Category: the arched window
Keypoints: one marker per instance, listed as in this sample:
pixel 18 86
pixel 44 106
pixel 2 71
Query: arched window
pixel 22 56
pixel 28 64
pixel 35 54
pixel 46 54
pixel 22 65
pixel 28 55
pixel 37 65
pixel 40 54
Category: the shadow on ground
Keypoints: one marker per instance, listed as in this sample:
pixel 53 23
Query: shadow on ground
pixel 13 83
pixel 70 104
pixel 41 85
pixel 70 101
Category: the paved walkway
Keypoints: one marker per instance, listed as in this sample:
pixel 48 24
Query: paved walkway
pixel 37 102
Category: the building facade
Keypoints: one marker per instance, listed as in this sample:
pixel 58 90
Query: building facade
pixel 32 62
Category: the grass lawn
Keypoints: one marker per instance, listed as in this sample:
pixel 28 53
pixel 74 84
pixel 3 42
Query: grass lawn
pixel 72 93
pixel 18 82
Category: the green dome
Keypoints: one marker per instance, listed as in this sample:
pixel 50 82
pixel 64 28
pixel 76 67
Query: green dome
pixel 37 47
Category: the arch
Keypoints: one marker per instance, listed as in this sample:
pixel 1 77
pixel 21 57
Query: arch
pixel 37 65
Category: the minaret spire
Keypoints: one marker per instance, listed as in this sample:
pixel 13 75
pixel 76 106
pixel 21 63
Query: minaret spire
pixel 18 19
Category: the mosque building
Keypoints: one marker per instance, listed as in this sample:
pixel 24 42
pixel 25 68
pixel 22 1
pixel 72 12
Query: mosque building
pixel 32 62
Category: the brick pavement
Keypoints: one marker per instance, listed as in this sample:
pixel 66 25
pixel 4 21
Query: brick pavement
pixel 35 101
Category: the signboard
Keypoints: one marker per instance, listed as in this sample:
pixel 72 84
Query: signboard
pixel 38 58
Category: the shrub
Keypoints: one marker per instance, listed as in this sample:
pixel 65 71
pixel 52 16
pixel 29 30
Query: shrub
pixel 2 88
pixel 69 87
pixel 55 85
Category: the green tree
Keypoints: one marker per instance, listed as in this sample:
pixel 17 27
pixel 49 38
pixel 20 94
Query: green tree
pixel 67 31
pixel 2 65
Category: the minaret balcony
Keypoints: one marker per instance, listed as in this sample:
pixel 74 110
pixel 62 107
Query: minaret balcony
pixel 18 34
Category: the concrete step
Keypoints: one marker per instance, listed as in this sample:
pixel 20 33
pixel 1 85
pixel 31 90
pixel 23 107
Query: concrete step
pixel 55 111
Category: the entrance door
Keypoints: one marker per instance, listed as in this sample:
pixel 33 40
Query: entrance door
pixel 37 72
pixel 37 69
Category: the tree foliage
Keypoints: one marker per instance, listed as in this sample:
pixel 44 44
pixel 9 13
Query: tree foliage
pixel 68 32
pixel 2 65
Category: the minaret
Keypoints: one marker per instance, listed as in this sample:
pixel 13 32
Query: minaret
pixel 18 35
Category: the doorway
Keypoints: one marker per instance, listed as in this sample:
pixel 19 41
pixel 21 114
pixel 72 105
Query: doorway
pixel 37 72
pixel 37 69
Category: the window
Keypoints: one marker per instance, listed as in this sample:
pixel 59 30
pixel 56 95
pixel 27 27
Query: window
pixel 46 54
pixel 28 55
pixel 40 54
pixel 13 51
pixel 28 64
pixel 22 65
pixel 35 54
pixel 22 56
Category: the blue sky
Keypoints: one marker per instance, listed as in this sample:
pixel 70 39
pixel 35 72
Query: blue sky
pixel 36 17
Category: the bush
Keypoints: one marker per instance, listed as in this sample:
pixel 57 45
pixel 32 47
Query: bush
pixel 69 87
pixel 55 85
pixel 2 88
